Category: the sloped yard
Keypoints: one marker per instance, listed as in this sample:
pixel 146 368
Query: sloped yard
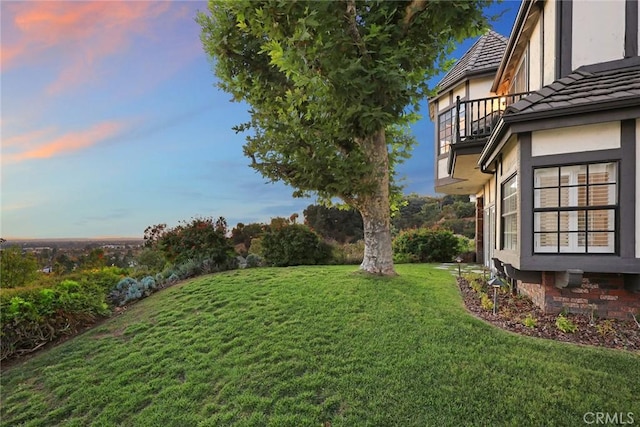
pixel 314 346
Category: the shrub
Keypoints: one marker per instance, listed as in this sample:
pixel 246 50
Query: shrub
pixel 427 245
pixel 152 259
pixel 17 269
pixel 530 321
pixel 253 261
pixel 202 238
pixel 485 302
pixel 32 316
pixel 294 244
pixel 565 324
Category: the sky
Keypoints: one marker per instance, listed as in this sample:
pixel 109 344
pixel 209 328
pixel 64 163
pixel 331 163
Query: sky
pixel 110 121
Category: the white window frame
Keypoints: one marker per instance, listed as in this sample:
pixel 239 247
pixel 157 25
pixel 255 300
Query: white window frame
pixel 509 217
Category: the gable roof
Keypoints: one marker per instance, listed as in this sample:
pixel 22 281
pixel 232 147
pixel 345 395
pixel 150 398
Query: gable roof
pixel 586 89
pixel 484 56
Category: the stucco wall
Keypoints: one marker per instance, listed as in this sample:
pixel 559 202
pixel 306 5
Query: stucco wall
pixel 442 168
pixel 535 57
pixel 597 32
pixel 600 136
pixel 549 20
pixel 459 91
pixel 480 88
pixel 443 102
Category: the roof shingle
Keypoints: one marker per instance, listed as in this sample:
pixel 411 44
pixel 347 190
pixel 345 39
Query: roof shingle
pixel 485 55
pixel 580 87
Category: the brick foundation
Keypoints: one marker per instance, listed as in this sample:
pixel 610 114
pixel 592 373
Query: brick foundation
pixel 601 294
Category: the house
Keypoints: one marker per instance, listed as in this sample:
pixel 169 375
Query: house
pixel 543 130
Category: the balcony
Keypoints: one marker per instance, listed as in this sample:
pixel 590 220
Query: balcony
pixel 463 132
pixel 476 119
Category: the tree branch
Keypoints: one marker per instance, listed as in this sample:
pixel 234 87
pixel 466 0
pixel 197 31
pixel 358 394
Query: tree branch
pixel 414 8
pixel 353 28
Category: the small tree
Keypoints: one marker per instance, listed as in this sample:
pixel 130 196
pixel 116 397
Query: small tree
pixel 16 269
pixel 332 87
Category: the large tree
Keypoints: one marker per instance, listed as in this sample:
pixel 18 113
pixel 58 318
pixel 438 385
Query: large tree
pixel 331 87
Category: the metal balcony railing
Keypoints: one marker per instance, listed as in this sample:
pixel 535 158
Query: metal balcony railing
pixel 476 119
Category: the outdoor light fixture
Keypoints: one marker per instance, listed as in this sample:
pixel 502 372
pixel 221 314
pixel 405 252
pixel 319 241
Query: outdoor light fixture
pixel 459 261
pixel 495 283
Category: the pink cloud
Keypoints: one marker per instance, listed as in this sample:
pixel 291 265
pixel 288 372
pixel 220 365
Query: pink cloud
pixel 78 34
pixel 67 143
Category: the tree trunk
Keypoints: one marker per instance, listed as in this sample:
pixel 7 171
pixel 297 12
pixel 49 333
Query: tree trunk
pixel 376 211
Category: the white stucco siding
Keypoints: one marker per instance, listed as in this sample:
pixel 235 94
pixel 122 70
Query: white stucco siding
pixel 480 88
pixel 510 158
pixel 442 168
pixel 548 20
pixel 597 32
pixel 535 57
pixel 637 188
pixel 443 102
pixel 459 91
pixel 600 136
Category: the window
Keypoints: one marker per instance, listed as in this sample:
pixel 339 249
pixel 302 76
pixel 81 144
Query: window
pixel 446 126
pixel 510 213
pixel 575 208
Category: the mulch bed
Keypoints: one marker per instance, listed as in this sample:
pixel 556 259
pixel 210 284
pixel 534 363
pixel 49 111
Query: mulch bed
pixel 513 309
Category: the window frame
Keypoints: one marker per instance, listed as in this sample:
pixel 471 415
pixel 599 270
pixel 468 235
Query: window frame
pixel 510 216
pixel 445 148
pixel 577 213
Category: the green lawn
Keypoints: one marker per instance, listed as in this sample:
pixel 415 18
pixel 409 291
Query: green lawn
pixel 314 346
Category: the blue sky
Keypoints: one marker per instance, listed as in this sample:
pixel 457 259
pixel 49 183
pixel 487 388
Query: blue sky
pixel 111 121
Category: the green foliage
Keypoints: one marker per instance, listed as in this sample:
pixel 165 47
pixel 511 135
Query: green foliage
pixel 256 246
pixel 332 89
pixel 426 245
pixel 462 227
pixel 198 240
pixel 151 259
pixel 565 324
pixel 485 301
pixel 332 223
pixel 529 321
pixel 243 234
pixel 294 244
pixel 606 327
pixel 16 269
pixel 254 260
pixel 32 316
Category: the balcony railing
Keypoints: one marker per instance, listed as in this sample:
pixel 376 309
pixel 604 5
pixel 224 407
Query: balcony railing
pixel 476 119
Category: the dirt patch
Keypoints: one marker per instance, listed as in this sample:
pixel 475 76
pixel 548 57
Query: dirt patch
pixel 517 313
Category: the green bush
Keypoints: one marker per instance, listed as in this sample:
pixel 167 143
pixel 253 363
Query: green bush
pixel 427 245
pixel 32 316
pixel 17 269
pixel 565 324
pixel 253 260
pixel 151 259
pixel 200 239
pixel 294 244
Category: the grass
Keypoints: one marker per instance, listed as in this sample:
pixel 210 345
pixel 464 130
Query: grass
pixel 314 346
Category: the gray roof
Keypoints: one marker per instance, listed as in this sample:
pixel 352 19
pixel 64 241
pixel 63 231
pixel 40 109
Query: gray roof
pixel 587 87
pixel 484 56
